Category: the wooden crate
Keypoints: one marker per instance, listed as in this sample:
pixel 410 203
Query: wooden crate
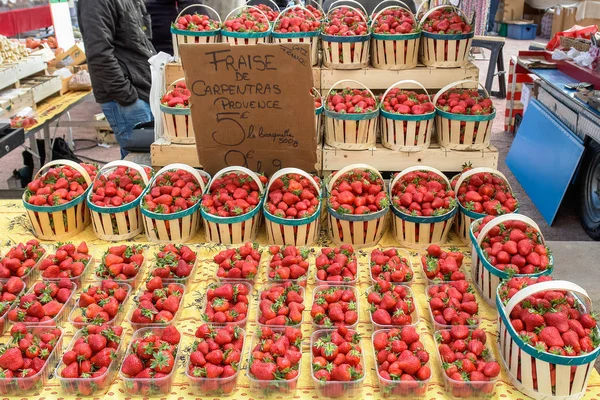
pixel 30 66
pixel 375 79
pixel 174 71
pixel 388 160
pixel 42 86
pixel 14 100
pixel 8 76
pixel 163 153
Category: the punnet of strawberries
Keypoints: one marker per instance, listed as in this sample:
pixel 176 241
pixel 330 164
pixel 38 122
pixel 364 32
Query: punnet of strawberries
pixel 446 21
pixel 91 356
pixel 9 292
pixel 216 355
pixel 423 193
pixel 100 303
pixel 152 355
pixel 293 196
pixel 249 20
pixel 296 20
pixel 174 262
pixel 391 266
pixel 358 192
pixel 351 101
pixel 27 353
pixel 346 21
pixel 58 185
pixel 466 358
pixel 552 321
pixel 227 303
pixel 515 247
pixel 232 194
pixel 288 263
pixel 121 263
pixel 43 302
pixel 390 304
pixel 465 101
pixel 335 306
pixel 276 355
pixel 121 186
pixel 453 303
pixel 486 193
pixel 394 21
pixel 196 23
pixel 336 356
pixel 442 266
pixel 67 262
pixel 20 259
pixel 158 304
pixel 238 263
pixel 269 11
pixel 401 101
pixel 401 357
pixel 172 191
pixel 337 265
pixel 281 304
pixel 178 97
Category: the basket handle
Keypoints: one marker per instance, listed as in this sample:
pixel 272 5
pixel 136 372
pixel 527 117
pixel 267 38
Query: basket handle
pixel 348 80
pixel 356 4
pixel 417 168
pixel 286 171
pixel 184 167
pixel 504 218
pixel 544 286
pixel 247 6
pixel 128 164
pixel 405 81
pixel 270 1
pixel 173 83
pixel 245 170
pixel 315 93
pixel 68 163
pixel 292 8
pixel 474 171
pixel 453 84
pixel 399 4
pixel 201 6
pixel 350 168
pixel 424 17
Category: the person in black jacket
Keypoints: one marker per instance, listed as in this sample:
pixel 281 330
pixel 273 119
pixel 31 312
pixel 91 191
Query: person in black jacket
pixel 163 13
pixel 116 35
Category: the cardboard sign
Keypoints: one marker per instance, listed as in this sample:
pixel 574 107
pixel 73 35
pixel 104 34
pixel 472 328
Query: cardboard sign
pixel 251 105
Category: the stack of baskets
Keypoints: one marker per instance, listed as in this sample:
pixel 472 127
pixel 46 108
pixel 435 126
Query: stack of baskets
pixel 177 122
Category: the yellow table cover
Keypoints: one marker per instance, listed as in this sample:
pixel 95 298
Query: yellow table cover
pixel 15 228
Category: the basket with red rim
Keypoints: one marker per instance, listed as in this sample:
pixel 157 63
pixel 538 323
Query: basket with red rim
pixel 345 37
pixel 297 24
pixel 406 118
pixel 395 37
pixel 195 28
pixel 249 25
pixel 176 114
pixel 55 199
pixel 118 217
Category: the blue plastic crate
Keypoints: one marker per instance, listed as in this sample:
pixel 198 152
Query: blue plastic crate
pixel 522 31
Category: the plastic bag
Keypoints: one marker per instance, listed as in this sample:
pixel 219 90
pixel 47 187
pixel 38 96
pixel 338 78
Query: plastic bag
pixel 560 55
pixel 584 59
pixel 157 66
pixel 575 32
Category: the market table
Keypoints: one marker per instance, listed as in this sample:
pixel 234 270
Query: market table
pixel 24 20
pixel 15 225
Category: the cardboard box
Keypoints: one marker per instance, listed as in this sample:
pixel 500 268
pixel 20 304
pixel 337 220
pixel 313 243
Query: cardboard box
pixel 74 56
pixel 512 10
pixel 565 17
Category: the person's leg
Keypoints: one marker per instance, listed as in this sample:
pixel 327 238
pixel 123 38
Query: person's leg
pixel 123 119
pixel 492 15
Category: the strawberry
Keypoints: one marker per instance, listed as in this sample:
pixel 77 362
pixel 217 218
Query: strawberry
pixel 453 303
pixel 488 194
pixel 288 263
pixel 118 186
pixel 158 303
pixel 232 194
pixel 43 302
pixel 194 23
pixel 394 20
pixel 423 193
pixel 68 262
pixel 293 196
pixel 227 303
pixel 240 263
pixel 396 307
pixel 352 366
pixel 335 306
pixel 390 266
pixel 442 266
pixel 177 260
pixel 281 300
pixel 20 259
pixel 173 191
pixel 58 185
pixel 297 19
pixel 107 297
pixel 337 265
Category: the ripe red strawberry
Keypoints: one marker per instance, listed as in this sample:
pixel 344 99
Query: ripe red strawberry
pixel 158 303
pixel 275 356
pixel 174 263
pixel 238 263
pixel 232 194
pixel 20 259
pixel 344 21
pixel 337 265
pixel 351 101
pixel 423 193
pixel 288 263
pixel 487 193
pixel 396 307
pixel 335 306
pixel 297 19
pixel 446 21
pixel 159 361
pixel 9 292
pixel 293 196
pixel 344 342
pixel 453 303
pixel 43 302
pixel 442 266
pixel 100 303
pixel 281 300
pixel 394 21
pixel 227 303
pixel 390 266
pixel 250 19
pixel 58 185
pixel 174 190
pixel 118 186
pixel 67 262
pixel 194 23
pixel 399 101
pixel 121 263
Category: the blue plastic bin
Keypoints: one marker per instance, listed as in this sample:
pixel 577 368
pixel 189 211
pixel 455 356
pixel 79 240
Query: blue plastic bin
pixel 522 31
